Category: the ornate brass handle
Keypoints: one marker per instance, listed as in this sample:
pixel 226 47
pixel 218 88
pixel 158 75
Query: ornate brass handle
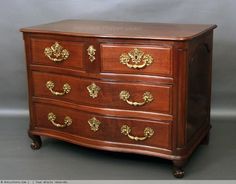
pixel 136 56
pixel 66 88
pixel 94 124
pixel 56 52
pixel 147 97
pixel 91 52
pixel 52 118
pixel 148 132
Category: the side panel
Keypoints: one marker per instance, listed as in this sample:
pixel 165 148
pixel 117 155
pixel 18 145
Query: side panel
pixel 199 86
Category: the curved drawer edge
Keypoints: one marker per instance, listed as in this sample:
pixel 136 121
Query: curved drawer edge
pixel 107 111
pixel 104 145
pixel 149 79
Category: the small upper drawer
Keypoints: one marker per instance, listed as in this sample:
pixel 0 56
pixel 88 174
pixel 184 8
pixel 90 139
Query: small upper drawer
pixel 57 53
pixel 136 59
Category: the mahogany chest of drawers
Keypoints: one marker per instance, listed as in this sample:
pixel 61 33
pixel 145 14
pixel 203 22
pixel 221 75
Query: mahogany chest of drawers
pixel 120 86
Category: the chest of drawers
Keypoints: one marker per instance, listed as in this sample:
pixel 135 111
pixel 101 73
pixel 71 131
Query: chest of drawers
pixel 119 86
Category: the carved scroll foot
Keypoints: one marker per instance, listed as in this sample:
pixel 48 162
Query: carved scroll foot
pixel 178 171
pixel 37 143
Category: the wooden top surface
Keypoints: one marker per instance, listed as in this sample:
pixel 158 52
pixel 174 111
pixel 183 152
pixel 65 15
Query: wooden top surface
pixel 110 29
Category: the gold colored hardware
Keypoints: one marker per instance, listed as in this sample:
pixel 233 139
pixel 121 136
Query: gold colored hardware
pixel 91 52
pixel 147 97
pixel 93 90
pixel 56 52
pixel 66 88
pixel 148 132
pixel 52 118
pixel 94 124
pixel 136 56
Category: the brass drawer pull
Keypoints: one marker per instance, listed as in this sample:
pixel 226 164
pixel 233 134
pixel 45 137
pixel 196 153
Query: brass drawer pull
pixel 52 118
pixel 147 97
pixel 94 124
pixel 136 56
pixel 126 130
pixel 56 52
pixel 91 53
pixel 93 90
pixel 66 88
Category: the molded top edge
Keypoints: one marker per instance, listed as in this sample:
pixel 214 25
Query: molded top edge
pixel 114 29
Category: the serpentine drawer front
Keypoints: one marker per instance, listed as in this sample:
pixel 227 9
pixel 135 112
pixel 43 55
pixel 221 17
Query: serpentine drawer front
pixel 119 95
pixel 99 84
pixel 97 127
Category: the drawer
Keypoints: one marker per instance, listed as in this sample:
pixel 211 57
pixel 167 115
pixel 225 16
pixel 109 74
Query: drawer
pixel 66 120
pixel 57 53
pixel 116 95
pixel 136 59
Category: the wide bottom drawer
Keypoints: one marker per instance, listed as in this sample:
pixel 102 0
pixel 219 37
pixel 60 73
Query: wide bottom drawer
pixel 98 127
